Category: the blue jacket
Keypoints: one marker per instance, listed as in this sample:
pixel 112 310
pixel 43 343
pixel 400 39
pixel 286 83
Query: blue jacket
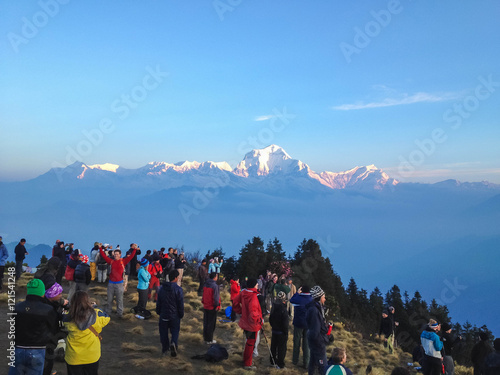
pixel 144 276
pixel 300 301
pixel 4 254
pixel 316 326
pixel 431 343
pixel 170 303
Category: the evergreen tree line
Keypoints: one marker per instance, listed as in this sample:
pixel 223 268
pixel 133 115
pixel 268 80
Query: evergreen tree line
pixel 357 309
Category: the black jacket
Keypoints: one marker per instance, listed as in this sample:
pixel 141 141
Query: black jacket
pixel 170 303
pixel 36 322
pixel 20 252
pixel 82 273
pixel 386 327
pixel 449 339
pixel 479 352
pixel 317 328
pixel 279 318
pixel 60 252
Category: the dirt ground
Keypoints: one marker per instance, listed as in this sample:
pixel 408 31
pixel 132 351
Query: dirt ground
pixel 132 346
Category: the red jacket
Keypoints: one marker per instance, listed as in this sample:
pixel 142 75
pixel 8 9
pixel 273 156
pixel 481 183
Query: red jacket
pixel 235 289
pixel 211 296
pixel 155 270
pixel 117 266
pixel 251 313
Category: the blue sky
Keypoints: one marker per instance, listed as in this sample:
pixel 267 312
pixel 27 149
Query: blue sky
pixel 410 86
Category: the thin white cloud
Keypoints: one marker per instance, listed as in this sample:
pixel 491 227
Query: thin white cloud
pixel 419 97
pixel 264 118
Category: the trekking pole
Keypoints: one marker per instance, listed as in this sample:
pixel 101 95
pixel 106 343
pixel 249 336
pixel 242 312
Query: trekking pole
pixel 271 354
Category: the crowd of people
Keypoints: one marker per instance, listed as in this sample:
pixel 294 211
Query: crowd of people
pixel 46 316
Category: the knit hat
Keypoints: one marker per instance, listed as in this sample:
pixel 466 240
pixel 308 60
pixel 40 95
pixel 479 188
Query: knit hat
pixel 36 288
pixel 316 292
pixel 251 283
pixel 281 296
pixel 445 327
pixel 144 262
pixel 54 291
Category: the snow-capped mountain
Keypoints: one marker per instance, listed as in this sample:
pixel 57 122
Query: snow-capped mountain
pixel 267 168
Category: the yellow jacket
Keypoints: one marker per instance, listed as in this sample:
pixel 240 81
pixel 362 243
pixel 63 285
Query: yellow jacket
pixel 82 345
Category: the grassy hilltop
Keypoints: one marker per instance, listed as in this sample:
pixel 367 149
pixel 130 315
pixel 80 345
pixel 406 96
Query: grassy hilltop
pixel 132 346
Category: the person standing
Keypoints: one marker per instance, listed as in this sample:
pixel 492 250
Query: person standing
pixel 202 275
pixel 21 253
pixel 82 276
pixel 59 252
pixel 449 340
pixel 170 308
pixel 94 253
pixel 293 290
pixel 233 292
pixel 279 324
pixel 36 323
pixel 179 266
pixel 4 255
pixel 479 353
pixel 433 360
pixel 143 285
pixel 69 274
pixel 492 361
pixel 299 301
pixel 318 331
pixel 211 304
pixel 83 343
pixel 115 284
pixel 247 304
pixel 155 270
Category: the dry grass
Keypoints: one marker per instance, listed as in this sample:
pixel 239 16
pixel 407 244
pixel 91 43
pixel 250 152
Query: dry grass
pixel 461 370
pixel 133 347
pixel 214 369
pixel 137 330
pixel 193 337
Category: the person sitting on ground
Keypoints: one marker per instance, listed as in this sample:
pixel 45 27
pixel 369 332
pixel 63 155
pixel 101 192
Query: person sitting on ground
pixel 336 363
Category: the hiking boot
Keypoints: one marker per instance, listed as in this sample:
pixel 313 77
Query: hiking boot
pixel 210 342
pixel 173 350
pixel 250 368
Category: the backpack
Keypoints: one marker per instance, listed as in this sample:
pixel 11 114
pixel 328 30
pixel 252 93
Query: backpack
pixel 69 273
pixel 169 266
pixel 215 353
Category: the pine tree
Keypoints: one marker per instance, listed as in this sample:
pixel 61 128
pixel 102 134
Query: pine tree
pixel 250 263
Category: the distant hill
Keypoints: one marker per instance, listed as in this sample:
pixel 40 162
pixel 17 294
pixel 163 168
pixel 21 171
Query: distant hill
pixel 35 252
